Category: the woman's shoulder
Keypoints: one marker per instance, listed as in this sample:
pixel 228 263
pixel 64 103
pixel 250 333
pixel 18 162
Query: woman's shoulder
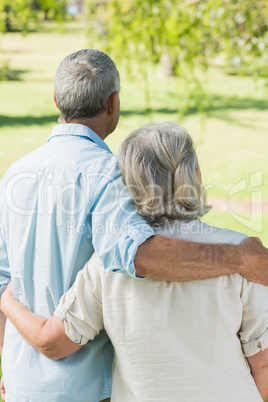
pixel 199 232
pixel 223 235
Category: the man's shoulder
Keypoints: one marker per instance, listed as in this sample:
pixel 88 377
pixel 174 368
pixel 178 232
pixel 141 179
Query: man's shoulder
pixel 25 162
pixel 79 157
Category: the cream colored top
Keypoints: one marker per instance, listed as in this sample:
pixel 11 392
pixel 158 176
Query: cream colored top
pixel 174 342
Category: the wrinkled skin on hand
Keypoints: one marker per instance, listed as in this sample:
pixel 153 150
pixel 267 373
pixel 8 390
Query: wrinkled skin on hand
pixel 256 261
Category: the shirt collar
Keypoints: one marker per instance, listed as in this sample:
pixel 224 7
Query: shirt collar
pixel 78 130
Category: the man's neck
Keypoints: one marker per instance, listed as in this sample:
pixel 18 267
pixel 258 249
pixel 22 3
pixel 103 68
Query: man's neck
pixel 97 125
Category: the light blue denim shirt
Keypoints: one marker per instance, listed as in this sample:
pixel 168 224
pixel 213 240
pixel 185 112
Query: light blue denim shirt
pixel 58 204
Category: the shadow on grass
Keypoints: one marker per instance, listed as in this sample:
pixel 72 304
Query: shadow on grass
pixel 7 74
pixel 222 107
pixel 213 105
pixel 12 121
pixel 217 102
pixel 145 112
pixel 16 75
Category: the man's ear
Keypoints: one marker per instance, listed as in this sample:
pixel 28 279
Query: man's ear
pixel 111 107
pixel 55 100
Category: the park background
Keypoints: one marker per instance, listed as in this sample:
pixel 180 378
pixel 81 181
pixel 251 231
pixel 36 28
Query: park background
pixel 200 63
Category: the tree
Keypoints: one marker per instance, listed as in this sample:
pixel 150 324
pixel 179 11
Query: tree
pixel 22 16
pixel 54 9
pixel 186 36
pixel 15 15
pixel 187 33
pixel 18 15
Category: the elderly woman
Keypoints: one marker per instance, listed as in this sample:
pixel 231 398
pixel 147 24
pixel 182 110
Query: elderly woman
pixel 191 341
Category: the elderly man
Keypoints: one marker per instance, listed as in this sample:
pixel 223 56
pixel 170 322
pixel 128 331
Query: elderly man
pixel 66 199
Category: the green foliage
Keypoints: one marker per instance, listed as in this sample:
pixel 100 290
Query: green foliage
pixel 4 70
pixel 15 15
pixel 187 34
pixel 185 37
pixel 242 32
pixel 52 9
pixel 22 15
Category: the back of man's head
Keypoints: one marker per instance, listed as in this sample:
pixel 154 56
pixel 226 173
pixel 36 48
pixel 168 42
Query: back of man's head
pixel 84 82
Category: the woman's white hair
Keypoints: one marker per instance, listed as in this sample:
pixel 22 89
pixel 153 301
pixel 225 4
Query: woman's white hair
pixel 84 82
pixel 160 167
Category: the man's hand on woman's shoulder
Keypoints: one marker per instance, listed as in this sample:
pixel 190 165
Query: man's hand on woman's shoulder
pixel 255 256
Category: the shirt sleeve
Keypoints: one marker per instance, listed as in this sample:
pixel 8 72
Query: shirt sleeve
pixel 117 227
pixel 80 308
pixel 254 328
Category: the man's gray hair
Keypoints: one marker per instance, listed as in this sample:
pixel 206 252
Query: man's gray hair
pixel 84 82
pixel 160 167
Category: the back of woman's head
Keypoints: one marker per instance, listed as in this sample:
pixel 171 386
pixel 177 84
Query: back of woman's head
pixel 160 167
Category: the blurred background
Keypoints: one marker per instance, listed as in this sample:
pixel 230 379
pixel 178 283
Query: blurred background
pixel 201 63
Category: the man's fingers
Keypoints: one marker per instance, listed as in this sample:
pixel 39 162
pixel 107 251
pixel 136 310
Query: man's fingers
pixel 256 261
pixel 252 240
